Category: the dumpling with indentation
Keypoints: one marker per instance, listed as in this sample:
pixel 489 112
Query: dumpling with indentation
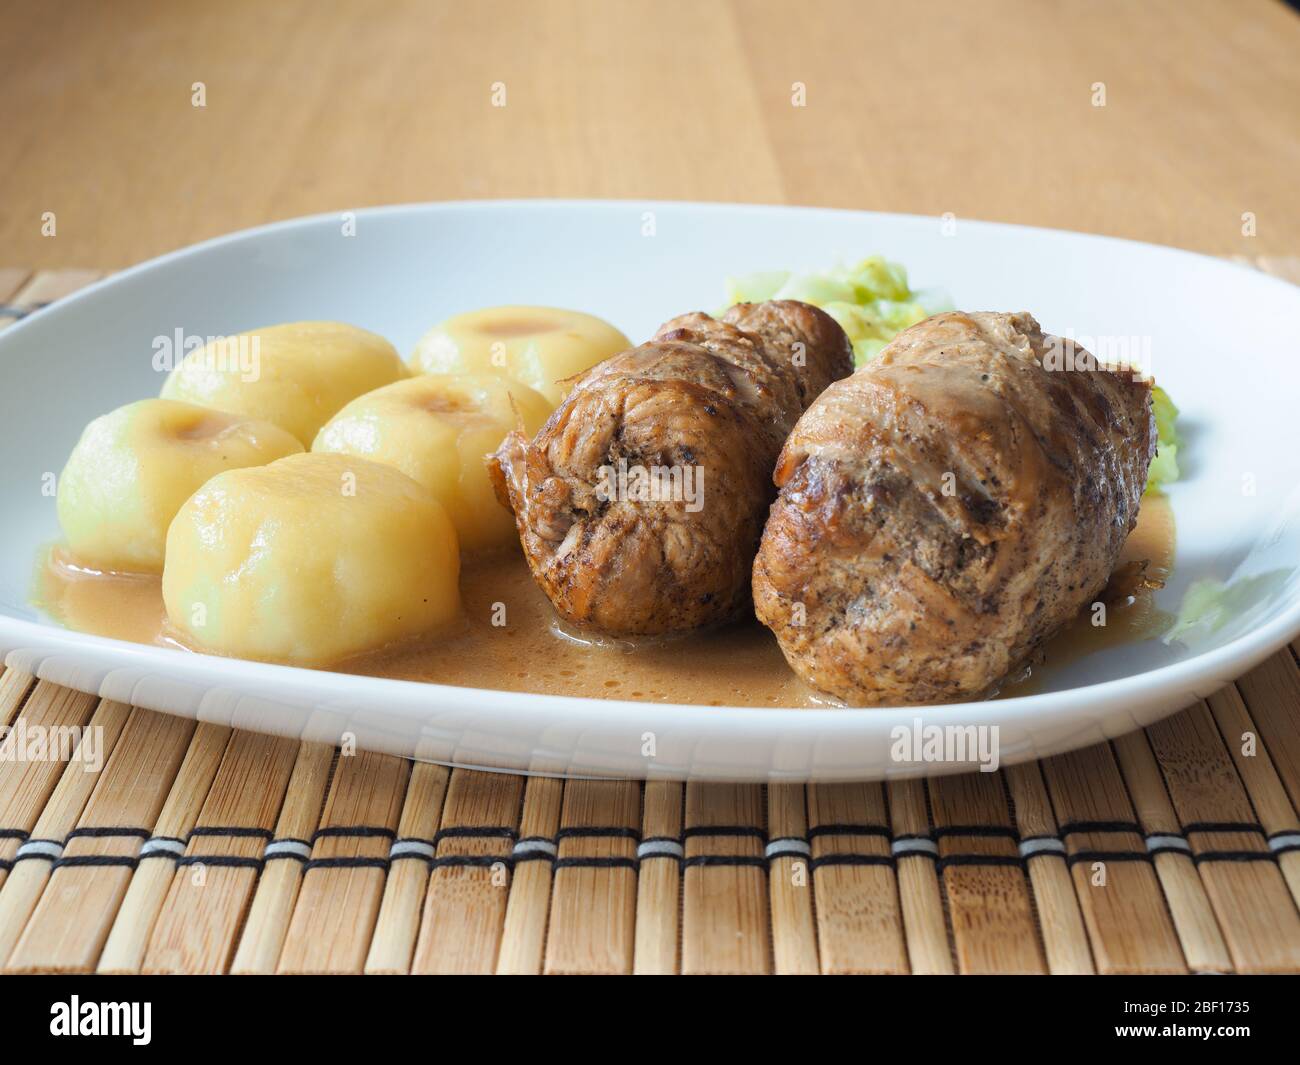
pixel 133 468
pixel 297 375
pixel 310 560
pixel 440 429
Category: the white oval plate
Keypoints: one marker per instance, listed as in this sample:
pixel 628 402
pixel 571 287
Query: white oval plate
pixel 1222 340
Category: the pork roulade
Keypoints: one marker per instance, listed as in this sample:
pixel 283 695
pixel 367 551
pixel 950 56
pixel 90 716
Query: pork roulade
pixel 641 501
pixel 948 508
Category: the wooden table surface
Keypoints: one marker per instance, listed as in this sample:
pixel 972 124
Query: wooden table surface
pixel 985 109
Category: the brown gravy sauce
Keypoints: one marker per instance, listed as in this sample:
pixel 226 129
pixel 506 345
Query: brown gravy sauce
pixel 1143 568
pixel 510 639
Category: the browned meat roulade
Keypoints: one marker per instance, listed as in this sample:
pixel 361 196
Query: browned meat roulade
pixel 640 503
pixel 948 508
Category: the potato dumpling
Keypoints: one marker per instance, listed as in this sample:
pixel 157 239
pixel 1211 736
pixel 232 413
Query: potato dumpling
pixel 134 467
pixel 297 375
pixel 540 346
pixel 440 429
pixel 309 560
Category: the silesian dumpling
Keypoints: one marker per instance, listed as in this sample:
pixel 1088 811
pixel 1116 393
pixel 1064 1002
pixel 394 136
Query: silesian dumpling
pixel 133 468
pixel 439 429
pixel 540 346
pixel 297 375
pixel 309 560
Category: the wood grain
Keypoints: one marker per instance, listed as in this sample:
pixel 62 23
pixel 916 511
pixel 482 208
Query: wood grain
pixel 277 889
pixel 399 913
pixel 337 905
pixel 593 907
pixel 1064 938
pixel 71 923
pixel 26 785
pixel 724 905
pixel 197 929
pixel 1250 897
pixel 659 884
pixel 465 906
pixel 988 897
pixel 1123 908
pixel 859 921
pixel 523 939
pixel 789 881
pixel 985 110
pixel 1185 894
pixel 125 949
pixel 25 884
pixel 920 894
pixel 1259 776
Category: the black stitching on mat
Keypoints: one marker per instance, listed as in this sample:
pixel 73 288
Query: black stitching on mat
pixel 365 831
pixel 662 839
pixel 409 858
pixel 237 831
pixel 1288 849
pixel 997 831
pixel 1101 826
pixel 1234 856
pixel 95 860
pixel 230 861
pixel 1221 826
pixel 345 863
pixel 725 830
pixel 848 830
pixel 108 833
pixel 5 865
pixel 1153 851
pixel 356 861
pixel 532 856
pixel 851 859
pixel 595 863
pixel 1109 856
pixel 588 832
pixel 741 860
pixel 980 859
pixel 800 855
pixel 12 833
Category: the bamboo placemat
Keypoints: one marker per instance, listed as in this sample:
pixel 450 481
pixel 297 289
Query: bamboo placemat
pixel 200 849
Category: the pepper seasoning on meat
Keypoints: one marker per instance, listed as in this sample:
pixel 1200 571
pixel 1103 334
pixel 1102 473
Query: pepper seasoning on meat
pixel 948 508
pixel 707 403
